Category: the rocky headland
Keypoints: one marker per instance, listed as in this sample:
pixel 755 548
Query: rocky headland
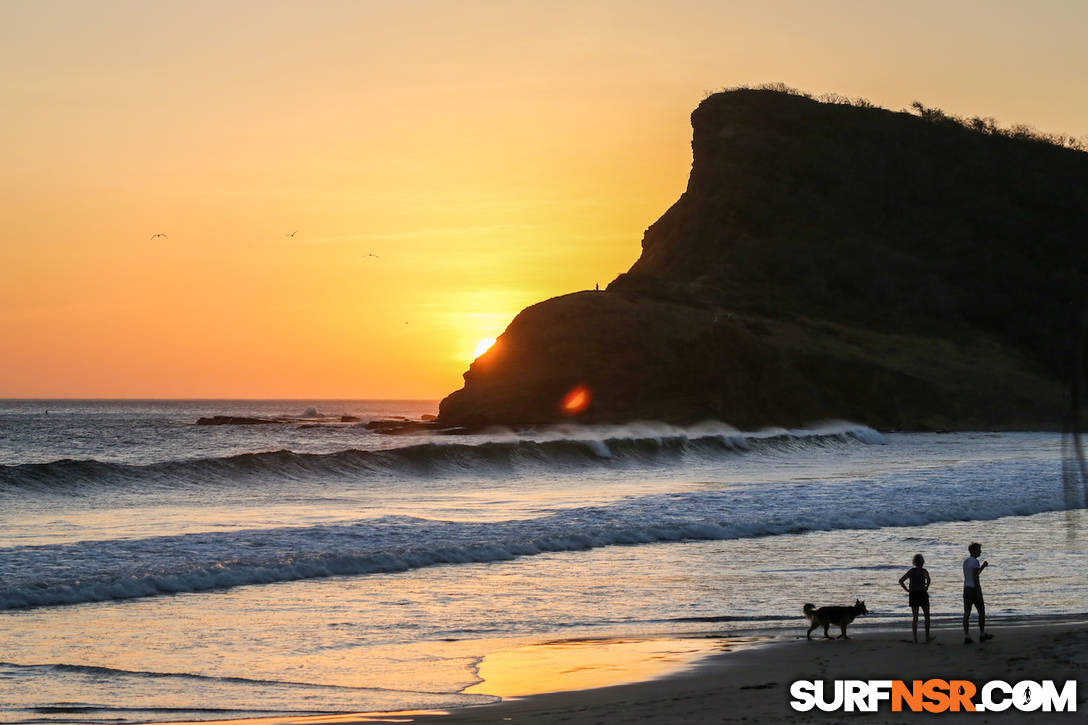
pixel 826 261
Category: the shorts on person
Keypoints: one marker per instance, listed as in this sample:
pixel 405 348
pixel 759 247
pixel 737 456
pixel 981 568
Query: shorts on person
pixel 918 599
pixel 973 595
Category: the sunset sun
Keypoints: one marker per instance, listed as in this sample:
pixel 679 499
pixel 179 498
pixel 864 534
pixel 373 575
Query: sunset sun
pixel 483 346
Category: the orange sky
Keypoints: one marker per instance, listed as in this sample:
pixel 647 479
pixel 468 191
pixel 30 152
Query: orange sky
pixel 491 154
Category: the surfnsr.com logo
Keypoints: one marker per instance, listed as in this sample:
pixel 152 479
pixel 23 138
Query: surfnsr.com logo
pixel 933 696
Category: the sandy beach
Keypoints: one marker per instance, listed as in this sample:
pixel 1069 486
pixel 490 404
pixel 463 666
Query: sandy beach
pixel 752 683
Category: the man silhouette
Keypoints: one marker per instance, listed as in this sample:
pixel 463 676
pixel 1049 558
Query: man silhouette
pixel 972 594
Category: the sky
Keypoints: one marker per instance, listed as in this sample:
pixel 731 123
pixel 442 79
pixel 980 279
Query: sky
pixel 441 165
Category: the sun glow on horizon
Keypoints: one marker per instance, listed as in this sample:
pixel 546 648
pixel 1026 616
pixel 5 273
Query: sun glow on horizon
pixel 459 164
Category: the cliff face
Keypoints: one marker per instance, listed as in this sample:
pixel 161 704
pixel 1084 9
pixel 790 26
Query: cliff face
pixel 825 261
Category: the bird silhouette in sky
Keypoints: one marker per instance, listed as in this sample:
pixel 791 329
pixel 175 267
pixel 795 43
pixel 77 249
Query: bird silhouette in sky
pixel 155 236
pixel 292 234
pixel 371 254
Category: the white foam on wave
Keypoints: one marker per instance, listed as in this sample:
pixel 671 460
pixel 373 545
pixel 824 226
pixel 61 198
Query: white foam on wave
pixel 597 437
pixel 656 430
pixel 101 570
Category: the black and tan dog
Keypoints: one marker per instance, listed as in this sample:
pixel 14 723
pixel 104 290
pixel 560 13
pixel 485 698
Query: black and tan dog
pixel 826 616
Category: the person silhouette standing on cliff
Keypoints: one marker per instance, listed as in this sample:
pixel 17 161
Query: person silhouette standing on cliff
pixel 918 593
pixel 972 594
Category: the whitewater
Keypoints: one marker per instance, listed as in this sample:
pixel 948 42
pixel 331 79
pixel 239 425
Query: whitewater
pixel 155 569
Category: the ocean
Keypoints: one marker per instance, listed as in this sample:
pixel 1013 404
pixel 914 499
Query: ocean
pixel 152 569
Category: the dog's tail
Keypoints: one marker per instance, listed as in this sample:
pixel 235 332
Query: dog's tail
pixel 808 609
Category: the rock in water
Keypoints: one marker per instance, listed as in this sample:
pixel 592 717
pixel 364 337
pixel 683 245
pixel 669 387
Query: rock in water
pixel 233 420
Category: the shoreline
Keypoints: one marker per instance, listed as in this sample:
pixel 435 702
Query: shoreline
pixel 750 681
pixel 752 684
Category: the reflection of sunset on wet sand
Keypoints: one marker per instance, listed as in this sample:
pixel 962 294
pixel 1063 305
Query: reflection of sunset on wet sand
pixel 585 664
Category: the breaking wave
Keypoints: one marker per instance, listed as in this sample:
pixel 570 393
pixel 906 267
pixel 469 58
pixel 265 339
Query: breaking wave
pixel 434 458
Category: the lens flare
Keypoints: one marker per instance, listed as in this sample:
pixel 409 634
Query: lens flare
pixel 576 401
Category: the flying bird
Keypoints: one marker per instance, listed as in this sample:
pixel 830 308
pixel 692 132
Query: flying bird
pixel 160 234
pixel 371 254
pixel 292 234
